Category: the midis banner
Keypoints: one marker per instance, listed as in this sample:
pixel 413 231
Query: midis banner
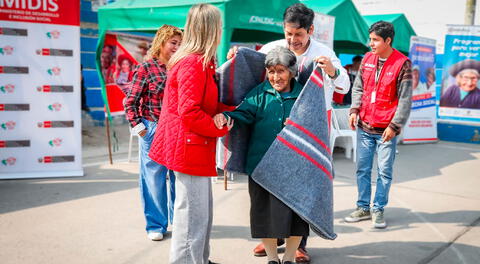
pixel 40 133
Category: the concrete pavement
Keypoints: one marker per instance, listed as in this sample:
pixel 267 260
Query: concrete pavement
pixel 433 214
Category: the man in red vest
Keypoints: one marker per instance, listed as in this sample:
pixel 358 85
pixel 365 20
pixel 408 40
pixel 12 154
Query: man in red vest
pixel 381 101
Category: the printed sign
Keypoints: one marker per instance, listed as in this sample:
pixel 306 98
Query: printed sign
pixel 422 124
pixel 40 133
pixel 460 90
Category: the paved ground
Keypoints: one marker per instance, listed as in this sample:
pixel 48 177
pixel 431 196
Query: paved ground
pixel 433 214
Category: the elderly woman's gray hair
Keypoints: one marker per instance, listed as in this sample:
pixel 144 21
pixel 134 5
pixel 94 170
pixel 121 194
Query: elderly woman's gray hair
pixel 282 56
pixel 473 71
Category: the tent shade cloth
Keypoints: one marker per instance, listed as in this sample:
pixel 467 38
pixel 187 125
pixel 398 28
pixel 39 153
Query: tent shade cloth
pixel 351 31
pixel 256 21
pixel 403 29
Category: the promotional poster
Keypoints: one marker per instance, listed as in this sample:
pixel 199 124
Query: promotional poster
pixel 121 53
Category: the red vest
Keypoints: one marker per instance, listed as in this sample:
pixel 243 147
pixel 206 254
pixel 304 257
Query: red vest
pixel 379 111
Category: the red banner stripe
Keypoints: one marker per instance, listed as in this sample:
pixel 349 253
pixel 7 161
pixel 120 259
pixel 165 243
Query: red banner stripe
pixel 305 155
pixel 420 139
pixel 310 134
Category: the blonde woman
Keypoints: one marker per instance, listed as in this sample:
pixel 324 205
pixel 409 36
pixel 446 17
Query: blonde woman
pixel 142 107
pixel 186 133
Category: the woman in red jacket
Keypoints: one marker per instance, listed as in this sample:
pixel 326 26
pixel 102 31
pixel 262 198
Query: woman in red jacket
pixel 186 133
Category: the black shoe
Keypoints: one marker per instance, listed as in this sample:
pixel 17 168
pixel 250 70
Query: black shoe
pixel 210 262
pixel 273 262
pixel 288 262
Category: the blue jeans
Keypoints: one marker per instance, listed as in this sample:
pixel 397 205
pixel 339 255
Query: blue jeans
pixel 367 145
pixel 158 209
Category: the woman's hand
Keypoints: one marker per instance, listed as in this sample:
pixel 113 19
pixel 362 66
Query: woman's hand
pixel 220 120
pixel 231 53
pixel 142 133
pixel 229 123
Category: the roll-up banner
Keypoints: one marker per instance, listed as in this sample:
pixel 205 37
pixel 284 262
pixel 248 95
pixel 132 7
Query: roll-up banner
pixel 40 118
pixel 460 92
pixel 421 126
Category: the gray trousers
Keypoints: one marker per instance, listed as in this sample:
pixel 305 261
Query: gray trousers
pixel 192 223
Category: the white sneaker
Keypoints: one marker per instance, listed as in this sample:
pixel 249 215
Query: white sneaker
pixel 155 236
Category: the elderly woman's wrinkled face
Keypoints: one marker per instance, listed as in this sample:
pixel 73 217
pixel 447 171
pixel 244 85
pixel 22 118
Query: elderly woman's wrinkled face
pixel 468 81
pixel 279 77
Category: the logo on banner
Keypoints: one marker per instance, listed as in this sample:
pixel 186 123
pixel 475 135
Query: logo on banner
pixel 7 88
pixel 56 159
pixel 55 88
pixel 55 107
pixel 6 50
pixel 56 142
pixel 10 161
pixel 54 71
pixel 53 124
pixel 9 125
pixel 55 34
pixel 55 52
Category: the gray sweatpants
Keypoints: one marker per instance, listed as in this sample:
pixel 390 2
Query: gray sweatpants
pixel 192 223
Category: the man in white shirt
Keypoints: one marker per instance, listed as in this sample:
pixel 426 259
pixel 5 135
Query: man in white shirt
pixel 298 29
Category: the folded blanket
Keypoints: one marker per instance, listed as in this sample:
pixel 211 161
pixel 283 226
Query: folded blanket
pixel 297 167
pixel 236 78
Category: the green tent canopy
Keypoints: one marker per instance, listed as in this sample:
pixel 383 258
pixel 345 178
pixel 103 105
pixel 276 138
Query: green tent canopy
pixel 243 20
pixel 351 31
pixel 403 29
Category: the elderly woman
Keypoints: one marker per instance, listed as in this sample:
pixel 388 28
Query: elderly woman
pixel 265 109
pixel 465 94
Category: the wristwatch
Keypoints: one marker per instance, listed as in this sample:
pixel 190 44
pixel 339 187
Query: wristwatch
pixel 337 72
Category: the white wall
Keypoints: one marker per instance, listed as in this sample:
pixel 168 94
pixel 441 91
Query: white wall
pixel 428 17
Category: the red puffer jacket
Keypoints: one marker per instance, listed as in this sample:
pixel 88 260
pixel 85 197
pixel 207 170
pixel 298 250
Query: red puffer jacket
pixel 186 134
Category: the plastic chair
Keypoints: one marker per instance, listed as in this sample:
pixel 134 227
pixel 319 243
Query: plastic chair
pixel 341 130
pixel 130 142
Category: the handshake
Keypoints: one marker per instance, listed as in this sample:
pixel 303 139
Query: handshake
pixel 220 121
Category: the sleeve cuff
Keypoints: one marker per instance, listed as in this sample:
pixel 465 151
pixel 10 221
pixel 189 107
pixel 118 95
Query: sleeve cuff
pixel 136 129
pixel 396 127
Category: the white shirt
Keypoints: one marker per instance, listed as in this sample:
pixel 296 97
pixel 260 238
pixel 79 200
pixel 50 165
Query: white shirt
pixel 315 49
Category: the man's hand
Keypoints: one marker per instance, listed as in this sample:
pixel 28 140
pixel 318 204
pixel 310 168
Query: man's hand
pixel 352 121
pixel 326 65
pixel 388 134
pixel 231 52
pixel 142 133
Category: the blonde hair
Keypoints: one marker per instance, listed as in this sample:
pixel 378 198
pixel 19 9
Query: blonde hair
pixel 164 33
pixel 202 34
